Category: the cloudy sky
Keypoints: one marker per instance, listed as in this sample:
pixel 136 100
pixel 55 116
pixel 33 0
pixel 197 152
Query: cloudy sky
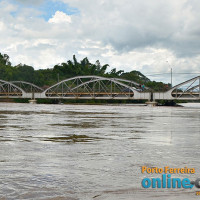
pixel 149 36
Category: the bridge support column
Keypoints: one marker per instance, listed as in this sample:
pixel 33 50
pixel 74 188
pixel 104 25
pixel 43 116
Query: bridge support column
pixel 151 103
pixel 32 101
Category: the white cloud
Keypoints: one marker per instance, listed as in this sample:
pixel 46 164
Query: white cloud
pixel 2 26
pixel 60 17
pixel 129 35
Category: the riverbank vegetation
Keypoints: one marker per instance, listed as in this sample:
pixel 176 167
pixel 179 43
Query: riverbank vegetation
pixel 71 68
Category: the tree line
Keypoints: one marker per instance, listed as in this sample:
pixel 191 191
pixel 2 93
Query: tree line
pixel 71 68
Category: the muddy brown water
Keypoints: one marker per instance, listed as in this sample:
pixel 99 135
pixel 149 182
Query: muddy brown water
pixel 95 151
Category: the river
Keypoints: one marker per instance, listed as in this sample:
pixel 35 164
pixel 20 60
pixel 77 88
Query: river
pixel 95 152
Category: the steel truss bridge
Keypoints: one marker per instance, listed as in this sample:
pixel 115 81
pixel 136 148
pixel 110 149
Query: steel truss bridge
pixel 96 87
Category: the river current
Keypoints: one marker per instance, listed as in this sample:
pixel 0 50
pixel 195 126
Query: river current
pixel 95 152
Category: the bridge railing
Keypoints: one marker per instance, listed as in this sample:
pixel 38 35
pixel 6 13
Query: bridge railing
pixel 95 87
pixel 187 90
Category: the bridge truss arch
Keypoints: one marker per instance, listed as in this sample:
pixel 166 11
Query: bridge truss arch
pixel 8 89
pixel 28 87
pixel 187 90
pixel 93 87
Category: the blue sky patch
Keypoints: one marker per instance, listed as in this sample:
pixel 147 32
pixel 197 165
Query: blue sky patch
pixel 48 8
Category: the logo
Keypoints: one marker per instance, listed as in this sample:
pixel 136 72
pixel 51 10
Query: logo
pixel 166 180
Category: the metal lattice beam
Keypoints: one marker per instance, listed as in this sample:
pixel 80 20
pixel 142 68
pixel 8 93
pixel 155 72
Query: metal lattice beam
pixel 91 87
pixel 27 87
pixel 8 89
pixel 187 90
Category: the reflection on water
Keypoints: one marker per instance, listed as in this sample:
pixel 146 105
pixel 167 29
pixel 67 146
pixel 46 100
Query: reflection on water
pixel 72 138
pixel 94 151
pixel 80 125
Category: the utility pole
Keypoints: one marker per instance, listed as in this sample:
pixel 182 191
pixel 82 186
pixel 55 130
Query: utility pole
pixel 171 72
pixel 171 77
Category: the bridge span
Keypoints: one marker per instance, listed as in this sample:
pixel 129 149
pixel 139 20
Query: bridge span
pixel 80 87
pixel 187 90
pixel 96 87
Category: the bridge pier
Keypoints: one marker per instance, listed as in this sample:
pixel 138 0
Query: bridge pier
pixel 32 101
pixel 151 103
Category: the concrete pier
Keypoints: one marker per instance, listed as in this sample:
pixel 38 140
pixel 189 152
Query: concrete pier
pixel 32 101
pixel 151 103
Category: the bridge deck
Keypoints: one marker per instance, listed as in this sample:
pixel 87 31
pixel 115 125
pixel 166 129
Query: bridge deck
pixel 95 87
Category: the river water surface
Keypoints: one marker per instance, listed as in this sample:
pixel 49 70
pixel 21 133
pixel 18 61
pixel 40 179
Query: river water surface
pixel 95 151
